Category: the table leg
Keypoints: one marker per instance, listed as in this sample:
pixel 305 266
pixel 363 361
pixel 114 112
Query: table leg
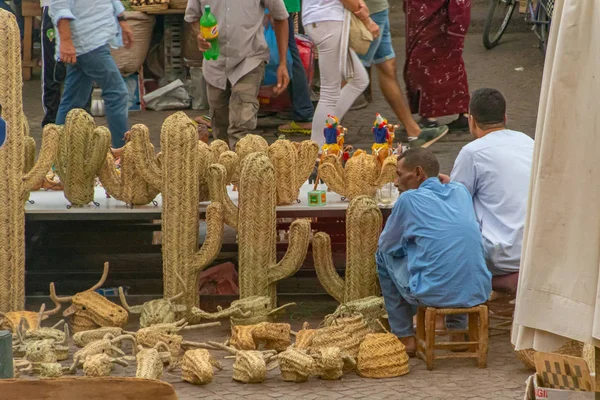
pixel 27 46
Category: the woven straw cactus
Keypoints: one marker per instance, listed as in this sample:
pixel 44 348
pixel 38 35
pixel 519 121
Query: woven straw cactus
pixel 382 355
pixel 255 221
pixel 101 365
pixel 178 179
pixel 127 185
pixel 249 367
pixel 295 365
pixel 197 367
pixel 363 226
pixel 362 175
pixel 244 147
pixel 81 153
pixel 15 185
pixel 293 165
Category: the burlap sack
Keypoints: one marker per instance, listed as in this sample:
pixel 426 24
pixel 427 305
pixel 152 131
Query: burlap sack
pixel 130 60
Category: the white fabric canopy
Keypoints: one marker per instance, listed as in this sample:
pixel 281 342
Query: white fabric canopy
pixel 559 282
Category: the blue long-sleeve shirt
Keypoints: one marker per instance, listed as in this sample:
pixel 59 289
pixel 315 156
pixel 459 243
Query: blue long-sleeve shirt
pixel 435 227
pixel 93 23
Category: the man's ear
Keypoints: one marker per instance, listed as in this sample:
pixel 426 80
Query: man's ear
pixel 505 119
pixel 420 174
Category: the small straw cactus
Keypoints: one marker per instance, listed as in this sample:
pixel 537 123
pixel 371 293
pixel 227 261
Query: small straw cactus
pixel 15 185
pixel 363 226
pixel 255 221
pixel 81 152
pixel 178 178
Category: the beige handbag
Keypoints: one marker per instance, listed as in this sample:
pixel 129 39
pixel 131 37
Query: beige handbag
pixel 360 37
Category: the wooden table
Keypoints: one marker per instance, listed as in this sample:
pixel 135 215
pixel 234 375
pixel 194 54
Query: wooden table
pixel 30 10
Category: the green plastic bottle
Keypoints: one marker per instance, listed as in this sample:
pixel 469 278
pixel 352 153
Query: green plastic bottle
pixel 210 31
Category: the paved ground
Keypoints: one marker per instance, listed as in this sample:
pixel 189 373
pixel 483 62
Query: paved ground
pixel 504 378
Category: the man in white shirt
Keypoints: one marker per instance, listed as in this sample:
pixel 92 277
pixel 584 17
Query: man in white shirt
pixel 496 168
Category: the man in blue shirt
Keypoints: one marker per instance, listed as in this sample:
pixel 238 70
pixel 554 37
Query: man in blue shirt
pixel 430 252
pixel 86 31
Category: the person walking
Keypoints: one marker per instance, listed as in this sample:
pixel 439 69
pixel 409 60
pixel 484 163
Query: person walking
pixel 381 55
pixel 324 23
pixel 53 71
pixel 434 71
pixel 86 31
pixel 299 89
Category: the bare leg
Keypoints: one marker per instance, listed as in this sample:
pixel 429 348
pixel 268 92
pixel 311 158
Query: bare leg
pixel 390 87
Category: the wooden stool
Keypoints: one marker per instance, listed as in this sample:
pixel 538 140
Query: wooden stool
pixel 478 335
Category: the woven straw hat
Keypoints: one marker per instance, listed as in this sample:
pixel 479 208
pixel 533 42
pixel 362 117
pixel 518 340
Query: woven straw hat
pixel 295 365
pixel 382 355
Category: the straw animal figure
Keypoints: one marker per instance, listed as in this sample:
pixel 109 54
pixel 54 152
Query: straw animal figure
pixel 109 345
pixel 81 153
pixel 82 339
pixel 251 367
pixel 15 185
pixel 197 366
pixel 362 174
pixel 90 310
pixel 149 362
pixel 330 363
pixel 21 366
pixel 101 365
pixel 178 179
pixel 382 355
pixel 157 311
pixel 51 370
pixel 295 365
pixel 363 226
pixel 12 320
pixel 248 311
pixel 255 221
pixel 249 337
pixel 371 308
pixel 127 184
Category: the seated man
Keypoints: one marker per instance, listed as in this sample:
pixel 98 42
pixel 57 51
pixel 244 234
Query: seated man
pixel 430 252
pixel 496 168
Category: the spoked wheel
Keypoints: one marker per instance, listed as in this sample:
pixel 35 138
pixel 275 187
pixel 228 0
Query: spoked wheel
pixel 496 21
pixel 543 25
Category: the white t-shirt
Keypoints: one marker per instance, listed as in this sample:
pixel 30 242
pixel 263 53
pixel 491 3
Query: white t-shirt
pixel 496 170
pixel 45 3
pixel 321 10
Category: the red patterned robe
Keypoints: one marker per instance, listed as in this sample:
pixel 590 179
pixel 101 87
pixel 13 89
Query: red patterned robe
pixel 434 72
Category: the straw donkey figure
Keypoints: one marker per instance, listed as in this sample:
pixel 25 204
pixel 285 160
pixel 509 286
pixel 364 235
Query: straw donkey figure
pixel 15 185
pixel 178 179
pixel 255 221
pixel 81 152
pixel 363 226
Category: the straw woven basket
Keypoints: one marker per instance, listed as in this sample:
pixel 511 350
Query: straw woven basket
pixel 336 335
pixel 382 355
pixel 151 7
pixel 249 367
pixel 295 365
pixel 571 348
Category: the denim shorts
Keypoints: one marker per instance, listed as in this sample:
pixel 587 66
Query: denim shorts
pixel 381 49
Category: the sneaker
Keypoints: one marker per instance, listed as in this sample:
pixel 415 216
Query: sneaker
pixel 428 137
pixel 459 124
pixel 304 128
pixel 427 123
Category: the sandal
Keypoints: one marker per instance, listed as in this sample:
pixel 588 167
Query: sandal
pixel 204 120
pixel 294 127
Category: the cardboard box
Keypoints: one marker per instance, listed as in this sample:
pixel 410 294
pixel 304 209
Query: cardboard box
pixel 535 391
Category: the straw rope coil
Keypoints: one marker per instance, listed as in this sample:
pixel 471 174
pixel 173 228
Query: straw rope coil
pixel 382 355
pixel 249 367
pixel 363 227
pixel 571 348
pixel 295 365
pixel 14 186
pixel 127 185
pixel 178 179
pixel 197 367
pixel 362 175
pixel 81 153
pixel 255 221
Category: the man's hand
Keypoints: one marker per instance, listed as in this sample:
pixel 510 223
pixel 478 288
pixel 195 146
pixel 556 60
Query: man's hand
pixel 67 52
pixel 363 11
pixel 203 44
pixel 444 178
pixel 127 34
pixel 372 27
pixel 283 79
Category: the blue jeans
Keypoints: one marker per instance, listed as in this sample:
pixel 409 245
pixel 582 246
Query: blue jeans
pixel 299 91
pixel 97 66
pixel 381 49
pixel 400 303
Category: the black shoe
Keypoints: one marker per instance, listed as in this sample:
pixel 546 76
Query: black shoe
pixel 459 124
pixel 427 123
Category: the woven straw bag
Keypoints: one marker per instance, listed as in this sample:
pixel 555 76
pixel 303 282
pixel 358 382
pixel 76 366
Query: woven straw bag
pixel 360 38
pixel 382 355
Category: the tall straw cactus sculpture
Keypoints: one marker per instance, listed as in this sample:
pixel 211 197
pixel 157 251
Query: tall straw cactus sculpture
pixel 178 179
pixel 363 226
pixel 128 186
pixel 255 220
pixel 15 185
pixel 362 175
pixel 81 152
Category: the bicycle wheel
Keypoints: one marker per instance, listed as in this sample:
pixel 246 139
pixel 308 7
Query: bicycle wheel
pixel 496 21
pixel 542 25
